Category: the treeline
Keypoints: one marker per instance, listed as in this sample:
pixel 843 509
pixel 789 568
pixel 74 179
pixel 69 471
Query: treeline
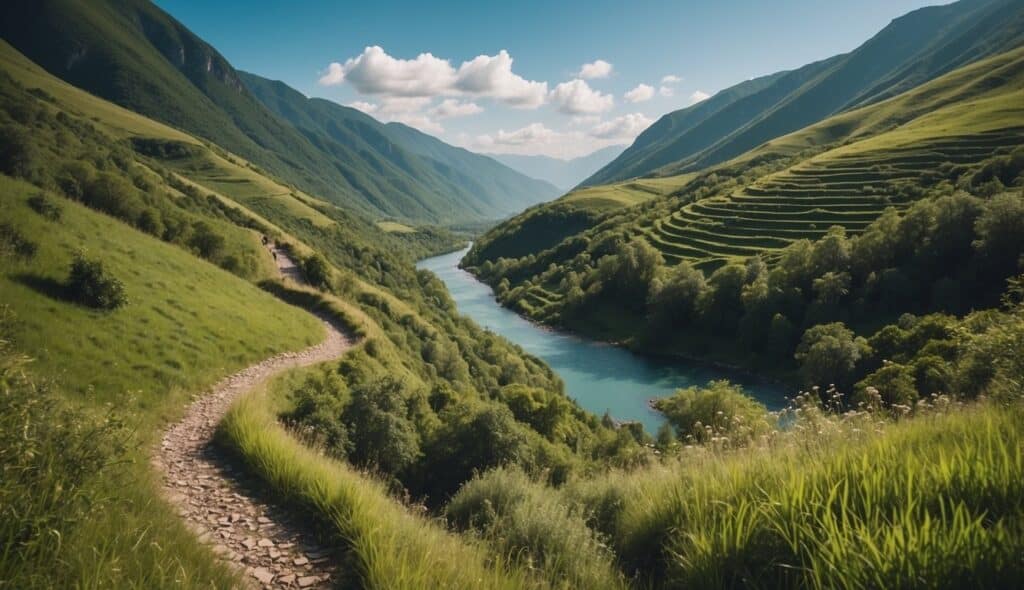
pixel 945 254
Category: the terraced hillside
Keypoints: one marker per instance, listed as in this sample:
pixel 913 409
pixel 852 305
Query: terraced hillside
pixel 848 190
pixel 913 49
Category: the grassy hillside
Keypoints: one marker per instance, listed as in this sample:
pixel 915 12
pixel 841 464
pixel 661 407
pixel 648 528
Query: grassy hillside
pixel 458 398
pixel 138 365
pixel 913 49
pixel 132 53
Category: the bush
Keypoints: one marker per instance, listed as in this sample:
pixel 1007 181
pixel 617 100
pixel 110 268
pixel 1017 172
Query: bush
pixel 721 412
pixel 317 271
pixel 14 245
pixel 523 519
pixel 90 285
pixel 893 385
pixel 45 207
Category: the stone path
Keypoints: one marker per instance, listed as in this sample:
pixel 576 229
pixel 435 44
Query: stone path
pixel 272 547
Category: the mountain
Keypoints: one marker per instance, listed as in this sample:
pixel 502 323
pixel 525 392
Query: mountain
pixel 912 49
pixel 134 54
pixel 469 186
pixel 565 174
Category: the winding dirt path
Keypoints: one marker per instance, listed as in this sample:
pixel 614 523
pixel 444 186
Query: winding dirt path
pixel 224 509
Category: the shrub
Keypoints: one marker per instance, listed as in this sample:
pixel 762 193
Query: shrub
pixel 208 243
pixel 15 245
pixel 317 271
pixel 45 207
pixel 893 385
pixel 90 285
pixel 719 412
pixel 523 519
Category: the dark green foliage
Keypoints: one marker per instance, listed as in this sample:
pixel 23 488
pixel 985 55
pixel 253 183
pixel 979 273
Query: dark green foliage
pixel 318 406
pixel 721 412
pixel 892 386
pixel 91 285
pixel 206 242
pixel 18 155
pixel 45 206
pixel 15 245
pixel 828 355
pixel 317 270
pixel 382 435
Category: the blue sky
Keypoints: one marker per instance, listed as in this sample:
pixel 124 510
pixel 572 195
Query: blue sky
pixel 536 98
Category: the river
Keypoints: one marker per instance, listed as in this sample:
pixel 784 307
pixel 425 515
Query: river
pixel 599 376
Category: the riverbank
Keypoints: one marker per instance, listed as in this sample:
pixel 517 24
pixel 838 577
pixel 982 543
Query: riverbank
pixel 601 376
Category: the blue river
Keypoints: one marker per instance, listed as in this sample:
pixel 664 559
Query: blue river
pixel 600 377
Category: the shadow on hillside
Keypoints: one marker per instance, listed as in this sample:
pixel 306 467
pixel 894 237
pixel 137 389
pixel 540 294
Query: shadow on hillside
pixel 48 286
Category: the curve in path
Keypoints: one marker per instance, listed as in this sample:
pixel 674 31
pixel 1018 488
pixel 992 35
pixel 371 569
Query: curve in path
pixel 271 548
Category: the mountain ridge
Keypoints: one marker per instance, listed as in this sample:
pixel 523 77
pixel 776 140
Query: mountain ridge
pixel 912 49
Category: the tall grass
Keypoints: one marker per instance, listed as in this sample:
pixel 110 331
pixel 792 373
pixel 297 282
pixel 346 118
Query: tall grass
pixel 391 547
pixel 936 501
pixel 521 518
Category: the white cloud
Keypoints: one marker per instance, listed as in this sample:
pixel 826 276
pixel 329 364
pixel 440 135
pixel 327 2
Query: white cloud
pixel 450 107
pixel 595 69
pixel 335 74
pixel 671 79
pixel 374 72
pixel 533 134
pixel 666 91
pixel 624 127
pixel 492 76
pixel 576 97
pixel 641 93
pixel 367 107
pixel 698 96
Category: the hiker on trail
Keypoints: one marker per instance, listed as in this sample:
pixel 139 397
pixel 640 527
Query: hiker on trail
pixel 265 240
pixel 274 253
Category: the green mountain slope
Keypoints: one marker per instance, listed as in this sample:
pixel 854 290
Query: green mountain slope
pixel 843 174
pixel 402 161
pixel 912 49
pixel 565 174
pixel 134 54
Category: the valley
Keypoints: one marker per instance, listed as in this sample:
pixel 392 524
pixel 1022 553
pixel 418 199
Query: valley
pixel 381 311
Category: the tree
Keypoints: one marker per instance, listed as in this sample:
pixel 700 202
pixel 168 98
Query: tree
pixel 828 354
pixel 673 300
pixel 1000 228
pixel 832 252
pixel 381 434
pixel 831 287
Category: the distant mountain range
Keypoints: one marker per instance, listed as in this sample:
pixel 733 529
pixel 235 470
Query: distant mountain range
pixel 565 174
pixel 134 54
pixel 911 50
